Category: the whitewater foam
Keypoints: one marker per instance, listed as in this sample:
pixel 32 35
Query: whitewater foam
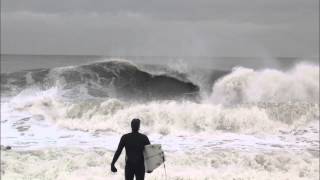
pixel 94 164
pixel 245 85
pixel 168 116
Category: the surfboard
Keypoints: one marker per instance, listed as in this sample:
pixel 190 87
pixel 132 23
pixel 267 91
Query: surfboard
pixel 153 156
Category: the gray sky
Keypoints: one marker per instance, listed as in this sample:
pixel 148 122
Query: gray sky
pixel 161 27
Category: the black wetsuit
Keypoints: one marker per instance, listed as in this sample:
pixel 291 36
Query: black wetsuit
pixel 134 143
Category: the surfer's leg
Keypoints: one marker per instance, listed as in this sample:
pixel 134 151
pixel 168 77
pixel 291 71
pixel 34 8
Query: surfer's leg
pixel 140 172
pixel 129 172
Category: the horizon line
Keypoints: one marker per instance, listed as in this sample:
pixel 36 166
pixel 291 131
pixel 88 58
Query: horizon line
pixel 175 56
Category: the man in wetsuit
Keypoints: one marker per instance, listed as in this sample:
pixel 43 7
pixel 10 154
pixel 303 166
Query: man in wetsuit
pixel 134 143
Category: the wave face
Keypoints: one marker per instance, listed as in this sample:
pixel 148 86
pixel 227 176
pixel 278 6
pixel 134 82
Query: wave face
pixel 117 79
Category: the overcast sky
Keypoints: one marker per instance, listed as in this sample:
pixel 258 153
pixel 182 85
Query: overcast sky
pixel 161 27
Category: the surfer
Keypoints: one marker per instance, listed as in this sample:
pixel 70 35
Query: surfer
pixel 134 143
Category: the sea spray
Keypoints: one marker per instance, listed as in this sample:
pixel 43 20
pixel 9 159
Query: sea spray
pixel 245 85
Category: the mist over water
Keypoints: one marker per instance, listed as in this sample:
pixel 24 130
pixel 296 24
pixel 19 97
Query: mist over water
pixel 256 112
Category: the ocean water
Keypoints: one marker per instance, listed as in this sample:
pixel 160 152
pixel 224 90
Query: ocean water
pixel 216 118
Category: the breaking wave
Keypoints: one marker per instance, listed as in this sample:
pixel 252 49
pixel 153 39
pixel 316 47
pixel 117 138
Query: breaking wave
pixel 117 79
pixel 244 100
pixel 245 85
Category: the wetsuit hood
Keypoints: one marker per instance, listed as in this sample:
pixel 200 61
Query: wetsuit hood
pixel 135 125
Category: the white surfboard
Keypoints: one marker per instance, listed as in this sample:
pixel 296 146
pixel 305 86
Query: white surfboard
pixel 153 156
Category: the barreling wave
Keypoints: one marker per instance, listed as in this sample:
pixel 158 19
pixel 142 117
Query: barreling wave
pixel 116 78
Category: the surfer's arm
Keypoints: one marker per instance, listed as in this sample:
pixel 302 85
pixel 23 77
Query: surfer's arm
pixel 118 151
